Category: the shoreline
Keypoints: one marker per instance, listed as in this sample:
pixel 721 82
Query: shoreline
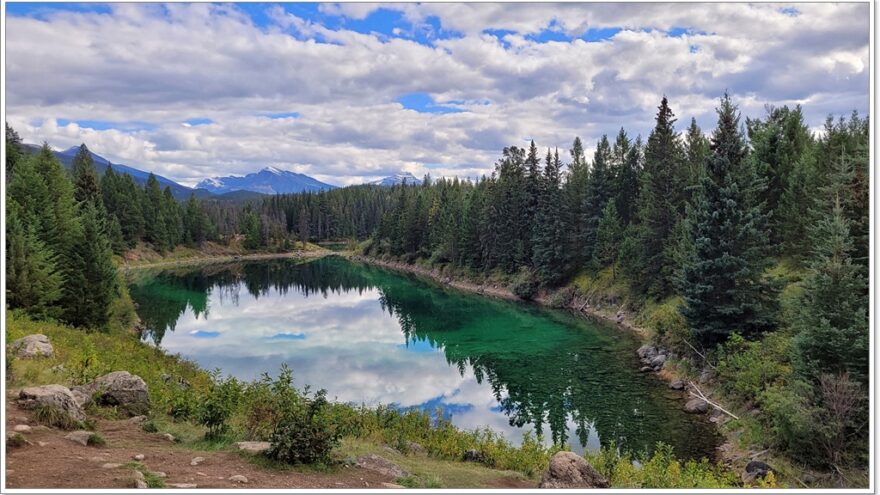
pixel 223 258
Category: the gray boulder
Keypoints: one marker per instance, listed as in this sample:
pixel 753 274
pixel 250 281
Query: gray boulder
pixel 57 396
pixel 253 447
pixel 373 462
pixel 696 406
pixel 647 352
pixel 569 470
pixel 658 361
pixel 755 470
pixel 33 346
pixel 677 385
pixel 121 389
pixel 80 436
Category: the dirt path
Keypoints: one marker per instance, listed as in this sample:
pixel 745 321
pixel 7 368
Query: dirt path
pixel 61 463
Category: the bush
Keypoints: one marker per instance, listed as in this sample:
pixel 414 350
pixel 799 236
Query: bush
pixel 659 470
pixel 747 368
pixel 525 286
pixel 305 434
pixel 561 298
pixel 96 440
pixel 264 402
pixel 218 405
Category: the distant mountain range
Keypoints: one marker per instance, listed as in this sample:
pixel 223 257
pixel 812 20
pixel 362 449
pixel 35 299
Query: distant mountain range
pixel 401 178
pixel 270 180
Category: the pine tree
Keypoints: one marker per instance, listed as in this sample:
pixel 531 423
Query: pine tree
pixel 548 240
pixel 33 281
pixel 832 318
pixel 661 205
pixel 626 177
pixel 574 193
pixel 600 190
pixel 14 154
pixel 155 224
pixel 195 222
pixel 609 235
pixel 722 282
pixel 90 285
pixel 251 229
pixel 696 151
pixel 85 178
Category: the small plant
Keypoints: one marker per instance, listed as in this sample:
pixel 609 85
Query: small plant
pixel 149 426
pixel 218 405
pixel 16 440
pixel 52 416
pixel 150 478
pixel 96 440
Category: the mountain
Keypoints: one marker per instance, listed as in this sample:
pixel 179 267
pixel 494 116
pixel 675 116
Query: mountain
pixel 401 178
pixel 270 180
pixel 179 191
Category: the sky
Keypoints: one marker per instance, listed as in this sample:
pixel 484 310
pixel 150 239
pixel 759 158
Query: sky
pixel 352 92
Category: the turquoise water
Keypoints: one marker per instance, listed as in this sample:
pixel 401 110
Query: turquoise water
pixel 372 336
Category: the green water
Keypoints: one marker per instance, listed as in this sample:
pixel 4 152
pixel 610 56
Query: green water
pixel 372 336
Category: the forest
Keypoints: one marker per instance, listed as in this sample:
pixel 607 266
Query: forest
pixel 754 239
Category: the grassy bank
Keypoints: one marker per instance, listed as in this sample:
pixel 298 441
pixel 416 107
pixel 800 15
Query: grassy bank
pixel 145 257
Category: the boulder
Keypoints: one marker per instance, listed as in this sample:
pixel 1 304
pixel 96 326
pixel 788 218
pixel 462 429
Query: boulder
pixel 658 361
pixel 238 478
pixel 415 448
pixel 196 461
pixel 646 369
pixel 677 385
pixel 22 428
pixel 474 456
pixel 138 457
pixel 122 389
pixel 169 437
pixel 647 352
pixel 755 470
pixel 706 376
pixel 111 465
pixel 569 470
pixel 373 462
pixel 79 436
pixel 696 406
pixel 33 346
pixel 253 447
pixel 57 396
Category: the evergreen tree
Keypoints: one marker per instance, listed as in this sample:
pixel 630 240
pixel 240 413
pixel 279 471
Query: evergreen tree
pixel 85 178
pixel 661 205
pixel 195 222
pixel 722 282
pixel 548 240
pixel 14 154
pixel 832 318
pixel 251 229
pixel 155 224
pixel 33 281
pixel 574 194
pixel 626 178
pixel 90 285
pixel 600 189
pixel 696 152
pixel 609 235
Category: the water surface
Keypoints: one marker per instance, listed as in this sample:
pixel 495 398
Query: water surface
pixel 372 336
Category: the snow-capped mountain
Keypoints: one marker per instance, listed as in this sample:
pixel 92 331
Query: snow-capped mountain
pixel 401 178
pixel 270 180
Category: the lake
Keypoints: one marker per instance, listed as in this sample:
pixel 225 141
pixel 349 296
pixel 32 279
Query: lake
pixel 372 336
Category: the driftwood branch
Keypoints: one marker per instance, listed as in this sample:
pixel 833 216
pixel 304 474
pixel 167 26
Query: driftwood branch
pixel 700 395
pixel 700 354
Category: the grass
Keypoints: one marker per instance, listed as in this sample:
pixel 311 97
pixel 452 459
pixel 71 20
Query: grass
pixel 52 416
pixel 16 440
pixel 96 440
pixel 152 480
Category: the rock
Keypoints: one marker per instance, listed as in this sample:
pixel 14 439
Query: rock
pixel 138 475
pixel 137 419
pixel 646 369
pixel 42 444
pixel 33 346
pixel 677 385
pixel 569 470
pixel 57 396
pixel 196 461
pixel 81 396
pixel 138 457
pixel 474 456
pixel 169 437
pixel 755 470
pixel 160 474
pixel 391 485
pixel 647 352
pixel 696 406
pixel 706 376
pixel 415 448
pixel 238 478
pixel 22 428
pixel 182 485
pixel 253 447
pixel 97 458
pixel 121 389
pixel 111 465
pixel 658 361
pixel 79 436
pixel 141 484
pixel 373 462
pixel 199 473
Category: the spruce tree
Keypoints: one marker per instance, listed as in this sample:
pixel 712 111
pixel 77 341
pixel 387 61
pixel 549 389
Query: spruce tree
pixel 696 151
pixel 832 318
pixel 33 281
pixel 14 154
pixel 609 236
pixel 600 190
pixel 90 285
pixel 85 178
pixel 155 224
pixel 548 240
pixel 722 282
pixel 661 205
pixel 574 193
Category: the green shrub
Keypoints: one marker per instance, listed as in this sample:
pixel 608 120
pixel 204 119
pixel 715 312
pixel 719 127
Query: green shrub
pixel 182 403
pixel 562 297
pixel 659 470
pixel 305 434
pixel 218 405
pixel 96 440
pixel 747 368
pixel 149 426
pixel 525 286
pixel 15 440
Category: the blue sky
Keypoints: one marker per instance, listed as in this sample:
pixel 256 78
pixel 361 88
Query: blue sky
pixel 349 93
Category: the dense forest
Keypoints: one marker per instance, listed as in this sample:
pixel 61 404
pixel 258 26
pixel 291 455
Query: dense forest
pixel 756 236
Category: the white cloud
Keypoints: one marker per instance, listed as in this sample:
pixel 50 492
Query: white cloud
pixel 163 65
